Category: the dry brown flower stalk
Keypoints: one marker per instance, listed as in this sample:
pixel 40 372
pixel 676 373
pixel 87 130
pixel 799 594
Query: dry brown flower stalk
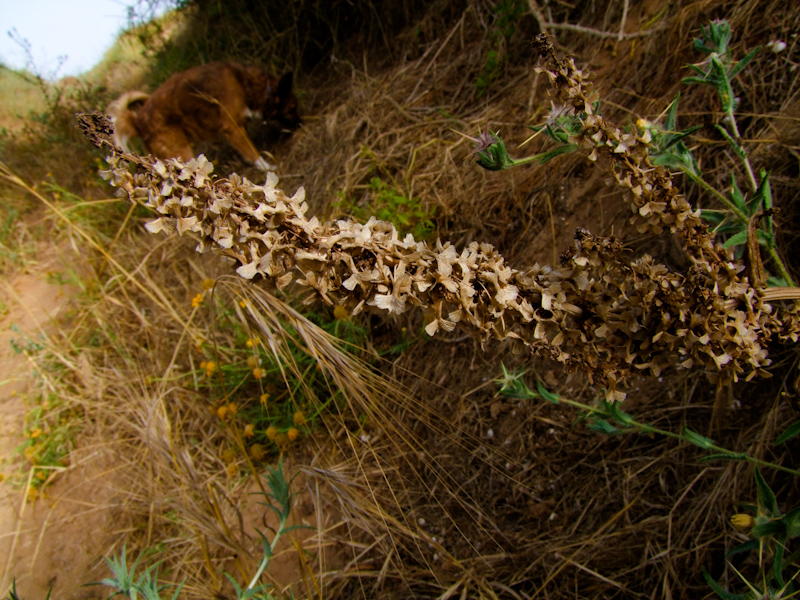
pixel 597 311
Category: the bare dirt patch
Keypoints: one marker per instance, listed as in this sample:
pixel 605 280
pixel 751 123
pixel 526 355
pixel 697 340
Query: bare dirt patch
pixel 58 539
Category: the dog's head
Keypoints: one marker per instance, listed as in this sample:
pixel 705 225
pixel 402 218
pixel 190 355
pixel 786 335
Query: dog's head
pixel 281 103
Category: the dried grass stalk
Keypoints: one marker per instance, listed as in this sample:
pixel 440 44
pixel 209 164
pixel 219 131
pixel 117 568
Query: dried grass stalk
pixel 598 310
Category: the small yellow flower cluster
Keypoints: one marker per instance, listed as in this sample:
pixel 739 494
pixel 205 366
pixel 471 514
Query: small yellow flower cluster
pixel 197 300
pixel 226 409
pixel 252 342
pixel 208 284
pixel 209 367
pixel 263 399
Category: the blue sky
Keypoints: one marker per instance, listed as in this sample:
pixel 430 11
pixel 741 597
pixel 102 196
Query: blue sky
pixel 80 29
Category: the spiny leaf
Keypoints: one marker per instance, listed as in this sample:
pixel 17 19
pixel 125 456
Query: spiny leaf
pixel 792 522
pixel 743 63
pixel 602 426
pixel 671 122
pixel 736 240
pixel 766 497
pixel 774 528
pixel 546 394
pixel 697 439
pixel 753 544
pixel 720 591
pixel 736 195
pixel 790 432
pixel 726 456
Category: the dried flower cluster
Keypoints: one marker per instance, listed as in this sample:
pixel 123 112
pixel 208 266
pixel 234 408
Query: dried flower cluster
pixel 595 311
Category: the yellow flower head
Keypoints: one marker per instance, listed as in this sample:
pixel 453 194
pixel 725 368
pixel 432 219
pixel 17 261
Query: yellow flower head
pixel 197 300
pixel 299 418
pixel 742 521
pixel 210 367
pixel 242 303
pixel 251 342
pixel 340 313
pixel 232 470
pixel 229 455
pixel 272 433
pixel 222 411
pixel 249 430
pixel 264 398
pixel 35 433
pixel 252 362
pixel 292 434
pixel 208 284
pixel 258 373
pixel 257 451
pixel 232 408
pixel 282 441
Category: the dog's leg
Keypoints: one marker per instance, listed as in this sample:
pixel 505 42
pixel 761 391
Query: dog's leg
pixel 237 137
pixel 262 164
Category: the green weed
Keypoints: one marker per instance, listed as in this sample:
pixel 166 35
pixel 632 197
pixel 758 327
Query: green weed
pixel 125 582
pixel 389 204
pixel 506 15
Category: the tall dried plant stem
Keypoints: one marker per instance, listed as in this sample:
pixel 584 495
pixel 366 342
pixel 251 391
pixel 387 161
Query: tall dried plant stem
pixel 598 310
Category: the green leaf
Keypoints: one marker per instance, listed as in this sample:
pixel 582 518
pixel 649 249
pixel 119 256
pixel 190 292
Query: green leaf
pixel 679 136
pixel 736 195
pixel 726 456
pixel 697 439
pixel 671 122
pixel 790 432
pixel 777 563
pixel 618 414
pixel 546 394
pixel 743 63
pixel 792 522
pixel 765 239
pixel 766 497
pixel 602 426
pixel 762 198
pixel 736 240
pixel 720 591
pixel 713 216
pixel 773 528
pixel 753 544
pixel 559 136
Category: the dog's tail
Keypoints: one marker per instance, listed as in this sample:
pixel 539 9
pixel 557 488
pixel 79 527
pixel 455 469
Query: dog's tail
pixel 123 114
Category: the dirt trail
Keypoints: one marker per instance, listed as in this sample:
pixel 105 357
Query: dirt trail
pixel 80 501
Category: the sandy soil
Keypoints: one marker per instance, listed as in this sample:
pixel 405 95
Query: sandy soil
pixel 56 540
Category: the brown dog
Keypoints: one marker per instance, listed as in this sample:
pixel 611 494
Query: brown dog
pixel 205 103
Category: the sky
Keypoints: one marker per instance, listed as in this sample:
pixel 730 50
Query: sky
pixel 81 30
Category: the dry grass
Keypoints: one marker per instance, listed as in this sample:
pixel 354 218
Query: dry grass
pixel 421 480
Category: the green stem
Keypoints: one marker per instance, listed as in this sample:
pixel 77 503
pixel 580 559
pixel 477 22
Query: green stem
pixel 265 560
pixel 645 428
pixel 730 205
pixel 773 253
pixel 751 178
